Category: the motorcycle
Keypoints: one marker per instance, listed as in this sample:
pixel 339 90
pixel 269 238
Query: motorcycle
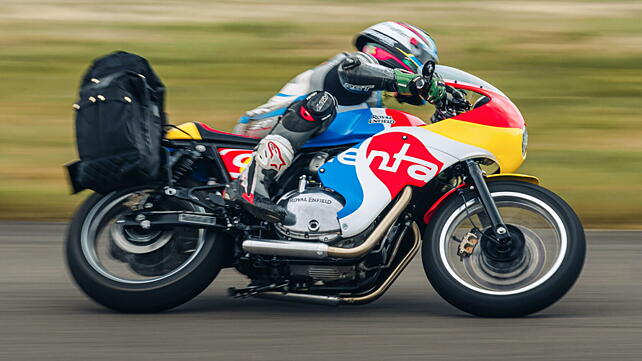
pixel 367 195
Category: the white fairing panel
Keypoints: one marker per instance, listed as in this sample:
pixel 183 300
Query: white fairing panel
pixel 372 173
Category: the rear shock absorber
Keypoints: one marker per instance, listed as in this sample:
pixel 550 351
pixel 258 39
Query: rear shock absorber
pixel 184 165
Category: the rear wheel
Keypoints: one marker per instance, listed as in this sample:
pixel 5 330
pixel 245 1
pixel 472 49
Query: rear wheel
pixel 131 269
pixel 541 265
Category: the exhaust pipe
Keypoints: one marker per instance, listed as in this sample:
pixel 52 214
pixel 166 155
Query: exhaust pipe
pixel 300 297
pixel 321 250
pixel 286 248
pixel 353 300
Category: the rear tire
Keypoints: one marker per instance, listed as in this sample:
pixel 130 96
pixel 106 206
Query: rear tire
pixel 481 300
pixel 153 296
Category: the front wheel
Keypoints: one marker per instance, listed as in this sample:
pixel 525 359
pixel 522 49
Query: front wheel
pixel 538 270
pixel 131 269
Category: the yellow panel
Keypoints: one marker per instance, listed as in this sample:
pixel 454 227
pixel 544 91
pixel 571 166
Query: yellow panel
pixel 514 176
pixel 504 143
pixel 189 128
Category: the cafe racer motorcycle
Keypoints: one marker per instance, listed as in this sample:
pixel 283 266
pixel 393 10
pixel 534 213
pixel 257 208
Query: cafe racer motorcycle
pixel 378 186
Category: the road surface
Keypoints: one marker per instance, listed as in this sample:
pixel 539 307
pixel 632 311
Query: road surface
pixel 44 316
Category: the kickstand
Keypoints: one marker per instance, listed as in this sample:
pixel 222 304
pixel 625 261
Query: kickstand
pixel 255 290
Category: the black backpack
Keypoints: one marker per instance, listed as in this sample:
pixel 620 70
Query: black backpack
pixel 119 125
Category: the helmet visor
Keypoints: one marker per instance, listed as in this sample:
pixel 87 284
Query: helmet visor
pixel 425 49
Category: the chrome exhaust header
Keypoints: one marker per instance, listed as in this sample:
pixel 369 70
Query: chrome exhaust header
pixel 320 250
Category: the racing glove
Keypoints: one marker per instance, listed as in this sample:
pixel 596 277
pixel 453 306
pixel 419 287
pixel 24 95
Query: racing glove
pixel 412 88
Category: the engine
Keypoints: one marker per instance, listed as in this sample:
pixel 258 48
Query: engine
pixel 316 214
pixel 316 210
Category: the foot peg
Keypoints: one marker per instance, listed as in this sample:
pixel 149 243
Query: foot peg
pixel 258 206
pixel 262 208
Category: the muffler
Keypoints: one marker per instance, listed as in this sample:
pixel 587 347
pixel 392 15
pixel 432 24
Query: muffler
pixel 321 250
pixel 286 248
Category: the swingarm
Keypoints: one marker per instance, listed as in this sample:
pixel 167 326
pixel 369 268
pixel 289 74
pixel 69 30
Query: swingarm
pixel 146 220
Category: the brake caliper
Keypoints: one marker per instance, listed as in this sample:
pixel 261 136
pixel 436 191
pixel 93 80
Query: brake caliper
pixel 136 201
pixel 467 245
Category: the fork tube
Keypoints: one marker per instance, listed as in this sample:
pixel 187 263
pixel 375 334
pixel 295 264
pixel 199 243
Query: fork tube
pixel 497 224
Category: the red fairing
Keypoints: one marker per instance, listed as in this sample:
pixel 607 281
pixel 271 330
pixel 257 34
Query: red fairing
pixel 403 119
pixel 499 112
pixel 235 160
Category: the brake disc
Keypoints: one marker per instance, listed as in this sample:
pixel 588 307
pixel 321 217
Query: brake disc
pixel 139 243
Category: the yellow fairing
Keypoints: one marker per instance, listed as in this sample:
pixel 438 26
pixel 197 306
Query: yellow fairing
pixel 504 143
pixel 188 131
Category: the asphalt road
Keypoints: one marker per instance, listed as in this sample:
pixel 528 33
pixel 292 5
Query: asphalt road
pixel 44 316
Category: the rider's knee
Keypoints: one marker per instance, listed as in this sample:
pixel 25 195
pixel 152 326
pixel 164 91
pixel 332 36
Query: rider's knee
pixel 316 111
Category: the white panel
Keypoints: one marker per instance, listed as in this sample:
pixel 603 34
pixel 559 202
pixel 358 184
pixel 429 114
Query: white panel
pixel 376 196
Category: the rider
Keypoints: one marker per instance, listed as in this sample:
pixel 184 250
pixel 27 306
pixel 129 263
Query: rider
pixel 390 55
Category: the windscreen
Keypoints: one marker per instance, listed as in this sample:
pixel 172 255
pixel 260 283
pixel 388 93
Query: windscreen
pixel 453 74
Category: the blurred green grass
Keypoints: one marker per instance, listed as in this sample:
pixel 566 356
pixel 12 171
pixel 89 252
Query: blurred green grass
pixel 573 68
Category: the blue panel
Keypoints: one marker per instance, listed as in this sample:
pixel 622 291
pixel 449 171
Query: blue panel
pixel 348 128
pixel 342 178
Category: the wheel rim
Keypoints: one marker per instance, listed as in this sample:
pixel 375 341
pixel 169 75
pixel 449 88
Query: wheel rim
pixel 151 256
pixel 545 245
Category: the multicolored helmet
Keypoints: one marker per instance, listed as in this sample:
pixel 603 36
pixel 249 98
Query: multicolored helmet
pixel 398 45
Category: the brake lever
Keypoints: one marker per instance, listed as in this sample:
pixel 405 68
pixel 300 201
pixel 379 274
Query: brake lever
pixel 457 102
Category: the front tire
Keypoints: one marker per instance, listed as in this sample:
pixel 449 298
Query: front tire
pixel 161 282
pixel 554 253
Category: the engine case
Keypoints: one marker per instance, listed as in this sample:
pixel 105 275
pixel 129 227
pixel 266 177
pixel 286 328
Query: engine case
pixel 324 273
pixel 316 215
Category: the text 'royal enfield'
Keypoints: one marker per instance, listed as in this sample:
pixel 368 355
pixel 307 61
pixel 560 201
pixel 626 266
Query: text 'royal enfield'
pixel 377 187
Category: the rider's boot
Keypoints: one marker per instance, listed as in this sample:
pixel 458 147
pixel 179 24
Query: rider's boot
pixel 251 188
pixel 274 154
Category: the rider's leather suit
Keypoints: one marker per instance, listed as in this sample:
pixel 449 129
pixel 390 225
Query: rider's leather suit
pixel 306 106
pixel 259 121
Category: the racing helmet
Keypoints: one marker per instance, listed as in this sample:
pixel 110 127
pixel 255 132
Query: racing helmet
pixel 398 45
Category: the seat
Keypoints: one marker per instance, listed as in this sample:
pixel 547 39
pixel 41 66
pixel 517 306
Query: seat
pixel 224 138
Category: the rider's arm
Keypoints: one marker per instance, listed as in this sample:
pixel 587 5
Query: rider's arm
pixel 361 73
pixel 258 121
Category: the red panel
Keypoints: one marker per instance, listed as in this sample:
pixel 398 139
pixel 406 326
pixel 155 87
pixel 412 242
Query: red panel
pixel 209 129
pixel 403 119
pixel 235 160
pixel 499 112
pixel 399 159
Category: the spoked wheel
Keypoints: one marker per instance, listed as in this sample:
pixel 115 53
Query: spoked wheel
pixel 535 269
pixel 136 269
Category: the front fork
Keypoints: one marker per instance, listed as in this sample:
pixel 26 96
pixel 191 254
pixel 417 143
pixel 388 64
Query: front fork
pixel 497 223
